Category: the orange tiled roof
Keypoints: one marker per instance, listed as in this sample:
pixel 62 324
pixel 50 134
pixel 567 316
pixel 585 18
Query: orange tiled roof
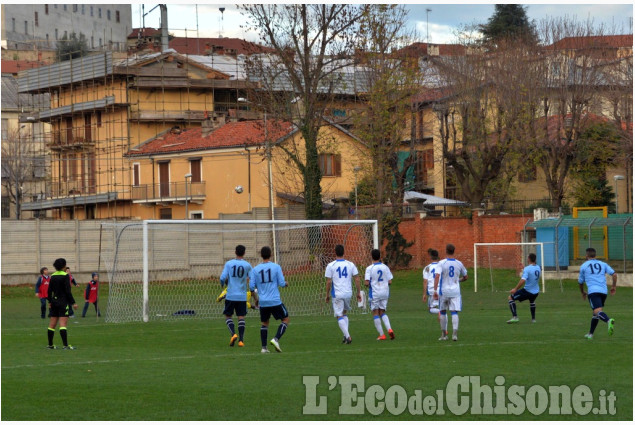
pixel 603 41
pixel 231 134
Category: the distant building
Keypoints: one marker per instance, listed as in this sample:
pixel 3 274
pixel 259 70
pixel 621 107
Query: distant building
pixel 40 26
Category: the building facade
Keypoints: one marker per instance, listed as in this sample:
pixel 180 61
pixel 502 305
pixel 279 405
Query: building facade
pixel 41 26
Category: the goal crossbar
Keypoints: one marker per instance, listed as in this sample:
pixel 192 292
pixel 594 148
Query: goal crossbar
pixel 542 258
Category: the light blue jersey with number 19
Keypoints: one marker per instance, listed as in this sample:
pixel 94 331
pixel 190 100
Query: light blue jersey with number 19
pixel 235 273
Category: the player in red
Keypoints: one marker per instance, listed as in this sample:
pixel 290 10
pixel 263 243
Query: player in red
pixel 90 294
pixel 42 289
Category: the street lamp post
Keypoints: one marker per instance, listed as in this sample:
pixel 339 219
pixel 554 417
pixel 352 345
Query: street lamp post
pixel 355 171
pixel 615 179
pixel 270 172
pixel 187 213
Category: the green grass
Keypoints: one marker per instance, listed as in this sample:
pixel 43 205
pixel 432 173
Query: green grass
pixel 185 370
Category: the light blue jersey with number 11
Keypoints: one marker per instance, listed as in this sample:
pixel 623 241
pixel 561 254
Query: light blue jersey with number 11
pixel 267 277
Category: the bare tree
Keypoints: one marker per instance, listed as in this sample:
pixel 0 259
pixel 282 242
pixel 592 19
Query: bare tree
pixel 298 81
pixel 389 79
pixel 573 76
pixel 17 165
pixel 488 115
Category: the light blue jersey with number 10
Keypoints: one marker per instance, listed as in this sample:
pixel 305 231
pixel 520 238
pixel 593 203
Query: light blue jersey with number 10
pixel 235 274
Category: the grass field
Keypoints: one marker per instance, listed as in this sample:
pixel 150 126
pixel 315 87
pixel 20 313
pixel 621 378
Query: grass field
pixel 185 370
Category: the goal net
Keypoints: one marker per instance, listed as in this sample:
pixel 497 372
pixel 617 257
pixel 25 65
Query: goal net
pixel 499 266
pixel 170 269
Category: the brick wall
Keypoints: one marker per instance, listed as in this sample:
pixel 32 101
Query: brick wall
pixel 463 233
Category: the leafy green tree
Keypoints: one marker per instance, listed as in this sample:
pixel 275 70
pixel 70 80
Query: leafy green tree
pixel 508 21
pixel 71 47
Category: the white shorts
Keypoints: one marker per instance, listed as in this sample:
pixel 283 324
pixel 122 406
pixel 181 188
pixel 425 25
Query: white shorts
pixel 378 304
pixel 340 305
pixel 450 303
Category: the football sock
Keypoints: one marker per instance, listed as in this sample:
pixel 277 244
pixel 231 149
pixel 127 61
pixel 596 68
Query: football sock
pixel 443 320
pixel 241 329
pixel 384 318
pixel 377 321
pixel 455 321
pixel 512 307
pixel 603 316
pixel 281 330
pixel 532 308
pixel 64 336
pixel 263 336
pixel 346 320
pixel 230 326
pixel 594 323
pixel 343 325
pixel 51 333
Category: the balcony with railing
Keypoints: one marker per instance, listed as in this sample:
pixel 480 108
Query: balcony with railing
pixel 69 139
pixel 168 193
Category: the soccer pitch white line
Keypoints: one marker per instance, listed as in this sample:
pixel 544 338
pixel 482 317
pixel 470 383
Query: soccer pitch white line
pixel 434 344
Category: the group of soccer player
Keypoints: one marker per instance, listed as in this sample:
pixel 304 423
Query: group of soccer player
pixel 441 291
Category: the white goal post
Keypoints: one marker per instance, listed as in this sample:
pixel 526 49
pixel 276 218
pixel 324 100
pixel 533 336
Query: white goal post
pixel 537 244
pixel 170 269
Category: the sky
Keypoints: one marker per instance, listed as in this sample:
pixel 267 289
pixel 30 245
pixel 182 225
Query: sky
pixel 441 21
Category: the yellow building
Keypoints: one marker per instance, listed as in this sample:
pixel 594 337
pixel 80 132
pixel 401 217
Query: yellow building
pixel 101 107
pixel 222 167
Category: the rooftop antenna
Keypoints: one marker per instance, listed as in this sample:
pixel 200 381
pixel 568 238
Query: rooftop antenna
pixel 427 26
pixel 427 31
pixel 220 28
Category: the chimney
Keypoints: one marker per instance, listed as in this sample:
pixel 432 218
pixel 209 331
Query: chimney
pixel 164 27
pixel 212 123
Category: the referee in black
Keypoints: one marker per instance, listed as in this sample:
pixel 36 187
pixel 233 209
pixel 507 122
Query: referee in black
pixel 59 298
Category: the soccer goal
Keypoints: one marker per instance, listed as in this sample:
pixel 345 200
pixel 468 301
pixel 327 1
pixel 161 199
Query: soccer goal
pixel 170 269
pixel 501 264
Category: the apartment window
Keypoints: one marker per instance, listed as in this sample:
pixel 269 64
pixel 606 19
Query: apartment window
pixel 330 165
pixel 528 174
pixel 6 207
pixel 26 27
pixel 47 39
pixel 65 8
pixel 99 12
pixel 136 171
pixel 99 117
pixel 56 34
pixel 83 10
pixel 65 35
pixel 35 18
pixel 39 167
pixel 195 170
pixel 117 18
pixel 13 24
pixel 91 11
pixel 46 9
pixel 165 213
pixel 100 42
pixel 5 129
pixel 92 42
pixel 108 14
pixel 75 8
